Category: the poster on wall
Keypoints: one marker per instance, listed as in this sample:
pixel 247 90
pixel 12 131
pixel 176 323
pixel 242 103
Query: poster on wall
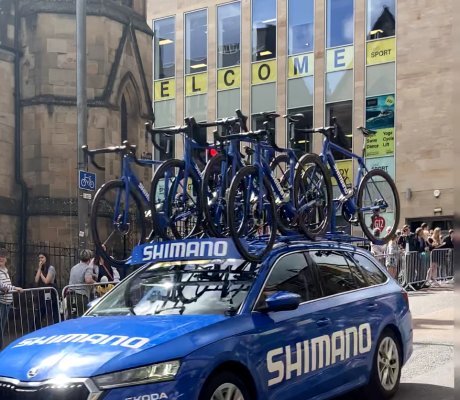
pixel 386 164
pixel 381 144
pixel 380 112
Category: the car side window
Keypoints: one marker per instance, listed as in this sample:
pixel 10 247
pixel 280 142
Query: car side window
pixel 372 273
pixel 335 272
pixel 291 273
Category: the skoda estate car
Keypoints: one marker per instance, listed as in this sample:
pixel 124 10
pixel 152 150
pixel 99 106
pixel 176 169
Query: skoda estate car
pixel 312 321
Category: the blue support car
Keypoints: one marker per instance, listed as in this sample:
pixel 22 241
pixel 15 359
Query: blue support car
pixel 313 321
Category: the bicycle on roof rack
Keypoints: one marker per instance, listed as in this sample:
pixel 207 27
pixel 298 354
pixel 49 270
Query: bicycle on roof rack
pixel 372 202
pixel 121 207
pixel 258 205
pixel 177 201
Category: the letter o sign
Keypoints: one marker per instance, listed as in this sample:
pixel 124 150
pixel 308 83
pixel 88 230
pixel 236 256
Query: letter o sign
pixel 263 72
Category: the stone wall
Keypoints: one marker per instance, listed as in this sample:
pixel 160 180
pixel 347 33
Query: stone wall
pixel 118 58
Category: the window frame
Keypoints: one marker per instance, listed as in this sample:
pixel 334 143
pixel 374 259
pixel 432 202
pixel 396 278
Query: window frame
pixel 273 266
pixel 184 55
pixel 326 26
pixel 374 262
pixel 367 8
pixel 175 47
pixel 217 34
pixel 288 3
pixel 252 34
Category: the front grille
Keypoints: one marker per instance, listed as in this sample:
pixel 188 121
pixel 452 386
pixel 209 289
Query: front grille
pixel 72 391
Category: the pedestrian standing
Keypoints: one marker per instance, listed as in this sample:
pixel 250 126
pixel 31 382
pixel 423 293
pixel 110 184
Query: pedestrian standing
pixel 81 274
pixel 6 296
pixel 45 277
pixel 377 250
pixel 392 255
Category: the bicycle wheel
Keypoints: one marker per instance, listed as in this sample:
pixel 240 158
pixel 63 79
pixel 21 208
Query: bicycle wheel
pixel 216 180
pixel 313 195
pixel 175 203
pixel 287 219
pixel 117 222
pixel 378 206
pixel 280 167
pixel 252 222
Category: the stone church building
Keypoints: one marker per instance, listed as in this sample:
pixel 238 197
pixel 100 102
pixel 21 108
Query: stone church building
pixel 38 113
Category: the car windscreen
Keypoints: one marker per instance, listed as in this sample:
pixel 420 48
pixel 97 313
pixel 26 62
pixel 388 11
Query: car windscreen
pixel 181 287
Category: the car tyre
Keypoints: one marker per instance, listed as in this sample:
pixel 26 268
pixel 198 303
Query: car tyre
pixel 386 368
pixel 225 386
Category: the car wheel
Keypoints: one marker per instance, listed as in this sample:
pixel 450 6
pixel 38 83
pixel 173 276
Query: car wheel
pixel 386 368
pixel 225 386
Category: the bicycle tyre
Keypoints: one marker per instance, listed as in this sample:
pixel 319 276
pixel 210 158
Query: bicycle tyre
pixel 210 197
pixel 101 211
pixel 309 193
pixel 243 243
pixel 159 202
pixel 361 215
pixel 183 229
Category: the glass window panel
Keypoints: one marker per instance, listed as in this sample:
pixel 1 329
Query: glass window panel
pixel 164 48
pixel 334 271
pixel 343 113
pixel 165 113
pixel 339 86
pixel 380 18
pixel 302 141
pixel 263 29
pixel 196 42
pixel 228 35
pixel 301 26
pixel 340 24
pixel 380 79
pixel 372 273
pixel 300 92
pixel 263 97
pixel 292 274
pixel 168 152
pixel 227 102
pixel 258 123
pixel 197 106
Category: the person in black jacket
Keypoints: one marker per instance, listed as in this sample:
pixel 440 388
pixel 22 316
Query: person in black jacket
pixel 448 242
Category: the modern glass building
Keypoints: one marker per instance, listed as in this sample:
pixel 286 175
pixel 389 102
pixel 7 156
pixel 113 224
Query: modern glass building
pixel 355 61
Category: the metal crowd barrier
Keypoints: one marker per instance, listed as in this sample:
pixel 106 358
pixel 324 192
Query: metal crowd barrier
pixel 36 308
pixel 75 298
pixel 31 309
pixel 413 269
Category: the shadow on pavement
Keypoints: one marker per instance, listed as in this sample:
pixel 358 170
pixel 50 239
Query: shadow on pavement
pixel 409 391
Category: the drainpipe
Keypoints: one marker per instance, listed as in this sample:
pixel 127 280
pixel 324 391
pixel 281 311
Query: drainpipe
pixel 17 150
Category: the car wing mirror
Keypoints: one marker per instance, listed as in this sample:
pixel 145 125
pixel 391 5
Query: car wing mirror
pixel 282 301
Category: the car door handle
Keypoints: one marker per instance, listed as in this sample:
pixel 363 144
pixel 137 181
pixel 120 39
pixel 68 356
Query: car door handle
pixel 323 322
pixel 372 307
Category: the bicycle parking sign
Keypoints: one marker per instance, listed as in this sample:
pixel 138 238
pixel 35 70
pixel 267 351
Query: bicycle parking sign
pixel 86 180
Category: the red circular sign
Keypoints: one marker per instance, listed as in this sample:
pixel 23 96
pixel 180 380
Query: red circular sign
pixel 379 222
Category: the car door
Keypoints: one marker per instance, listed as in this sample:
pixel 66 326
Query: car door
pixel 344 305
pixel 283 337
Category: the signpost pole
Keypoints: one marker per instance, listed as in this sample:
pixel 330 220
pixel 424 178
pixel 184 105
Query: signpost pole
pixel 81 117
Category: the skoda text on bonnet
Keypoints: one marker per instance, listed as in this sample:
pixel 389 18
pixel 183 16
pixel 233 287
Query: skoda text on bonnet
pixel 196 322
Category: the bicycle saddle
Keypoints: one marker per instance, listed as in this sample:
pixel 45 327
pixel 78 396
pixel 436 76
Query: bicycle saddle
pixel 366 132
pixel 294 117
pixel 269 115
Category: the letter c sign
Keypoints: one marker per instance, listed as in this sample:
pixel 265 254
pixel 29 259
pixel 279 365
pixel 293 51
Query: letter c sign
pixel 228 78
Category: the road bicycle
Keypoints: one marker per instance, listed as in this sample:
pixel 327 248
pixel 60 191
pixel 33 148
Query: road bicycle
pixel 176 189
pixel 372 202
pixel 257 203
pixel 121 207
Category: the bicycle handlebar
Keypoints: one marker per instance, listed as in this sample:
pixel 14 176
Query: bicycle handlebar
pixel 126 148
pixel 225 122
pixel 240 136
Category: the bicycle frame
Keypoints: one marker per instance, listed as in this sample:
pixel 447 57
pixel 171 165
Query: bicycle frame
pixel 130 180
pixel 349 195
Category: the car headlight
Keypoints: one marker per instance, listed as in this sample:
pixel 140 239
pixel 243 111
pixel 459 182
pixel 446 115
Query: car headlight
pixel 149 374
